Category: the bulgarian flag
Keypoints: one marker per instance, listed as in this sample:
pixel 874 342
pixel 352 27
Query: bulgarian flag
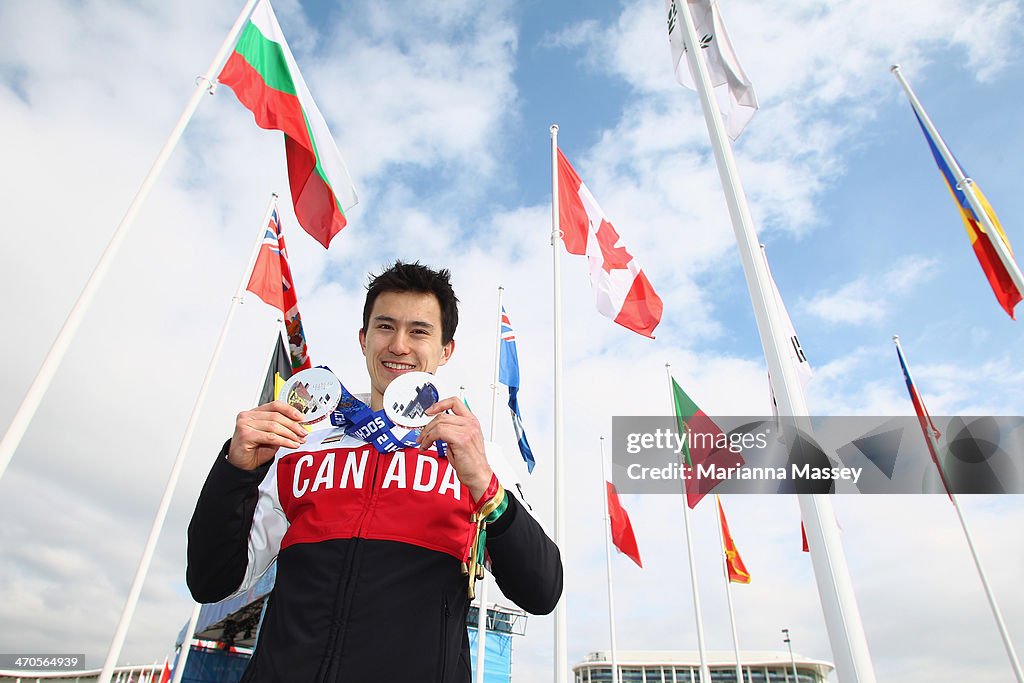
pixel 263 75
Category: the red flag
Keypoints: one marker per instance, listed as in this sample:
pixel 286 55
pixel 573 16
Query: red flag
pixel 803 535
pixel 271 280
pixel 165 675
pixel 623 292
pixel 622 530
pixel 734 563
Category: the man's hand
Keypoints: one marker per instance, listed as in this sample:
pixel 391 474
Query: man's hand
pixel 461 432
pixel 261 431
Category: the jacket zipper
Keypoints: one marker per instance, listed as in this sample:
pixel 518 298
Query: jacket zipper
pixel 343 599
pixel 444 641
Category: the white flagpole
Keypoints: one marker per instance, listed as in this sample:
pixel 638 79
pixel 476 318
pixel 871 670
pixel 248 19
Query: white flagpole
pixel 34 395
pixel 561 640
pixel 835 588
pixel 186 645
pixel 494 375
pixel 996 612
pixel 728 592
pixel 179 461
pixel 481 622
pixel 705 672
pixel 965 184
pixel 616 674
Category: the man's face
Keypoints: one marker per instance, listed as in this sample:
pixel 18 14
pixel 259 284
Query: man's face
pixel 402 335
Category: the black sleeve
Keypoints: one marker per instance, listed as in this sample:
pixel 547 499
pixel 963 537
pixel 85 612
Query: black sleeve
pixel 526 563
pixel 218 535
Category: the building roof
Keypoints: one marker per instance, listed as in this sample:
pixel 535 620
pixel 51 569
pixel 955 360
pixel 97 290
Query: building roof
pixel 714 658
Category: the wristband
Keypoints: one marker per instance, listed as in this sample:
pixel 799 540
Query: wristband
pixel 490 492
pixel 493 504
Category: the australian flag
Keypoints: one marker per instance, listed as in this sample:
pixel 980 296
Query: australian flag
pixel 508 374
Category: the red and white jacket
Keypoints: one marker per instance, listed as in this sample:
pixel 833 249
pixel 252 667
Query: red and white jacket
pixel 369 547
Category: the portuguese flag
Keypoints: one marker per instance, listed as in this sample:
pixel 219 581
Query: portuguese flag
pixel 263 75
pixel 705 445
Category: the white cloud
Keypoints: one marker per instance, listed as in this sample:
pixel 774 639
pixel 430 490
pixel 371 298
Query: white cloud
pixel 869 298
pixel 433 97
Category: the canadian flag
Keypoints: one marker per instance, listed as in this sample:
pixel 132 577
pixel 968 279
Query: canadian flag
pixel 623 292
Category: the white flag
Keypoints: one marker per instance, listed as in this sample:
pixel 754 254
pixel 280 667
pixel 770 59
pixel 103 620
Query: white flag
pixel 795 352
pixel 732 87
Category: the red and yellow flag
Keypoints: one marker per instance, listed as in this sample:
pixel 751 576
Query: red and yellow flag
pixel 733 562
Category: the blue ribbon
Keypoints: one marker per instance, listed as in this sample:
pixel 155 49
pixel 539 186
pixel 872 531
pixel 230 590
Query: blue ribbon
pixel 373 426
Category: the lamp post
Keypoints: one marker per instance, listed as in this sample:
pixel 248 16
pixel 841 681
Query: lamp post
pixel 792 659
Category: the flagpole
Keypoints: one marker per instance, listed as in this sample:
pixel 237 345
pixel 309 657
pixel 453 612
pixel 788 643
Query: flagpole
pixel 186 645
pixel 963 183
pixel 728 592
pixel 616 674
pixel 494 375
pixel 835 588
pixel 561 644
pixel 996 612
pixel 705 672
pixel 34 395
pixel 481 621
pixel 179 461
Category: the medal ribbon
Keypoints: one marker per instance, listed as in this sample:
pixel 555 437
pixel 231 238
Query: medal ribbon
pixel 373 426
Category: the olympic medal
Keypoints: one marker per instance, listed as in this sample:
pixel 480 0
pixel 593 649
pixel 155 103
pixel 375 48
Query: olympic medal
pixel 408 396
pixel 314 393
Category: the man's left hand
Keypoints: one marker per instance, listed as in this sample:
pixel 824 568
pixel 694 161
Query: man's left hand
pixel 460 430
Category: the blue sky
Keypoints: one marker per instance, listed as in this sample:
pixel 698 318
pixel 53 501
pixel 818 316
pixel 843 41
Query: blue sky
pixel 442 114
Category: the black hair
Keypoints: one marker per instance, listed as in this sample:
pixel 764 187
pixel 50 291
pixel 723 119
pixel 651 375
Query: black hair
pixel 415 277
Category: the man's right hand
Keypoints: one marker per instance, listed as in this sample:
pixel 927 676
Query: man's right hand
pixel 261 431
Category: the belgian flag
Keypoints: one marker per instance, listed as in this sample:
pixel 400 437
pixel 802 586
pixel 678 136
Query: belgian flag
pixel 279 371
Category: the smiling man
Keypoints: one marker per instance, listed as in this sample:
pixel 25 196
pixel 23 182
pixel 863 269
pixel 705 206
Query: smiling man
pixel 372 547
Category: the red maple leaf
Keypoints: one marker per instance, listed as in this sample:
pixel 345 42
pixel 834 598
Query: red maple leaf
pixel 615 258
